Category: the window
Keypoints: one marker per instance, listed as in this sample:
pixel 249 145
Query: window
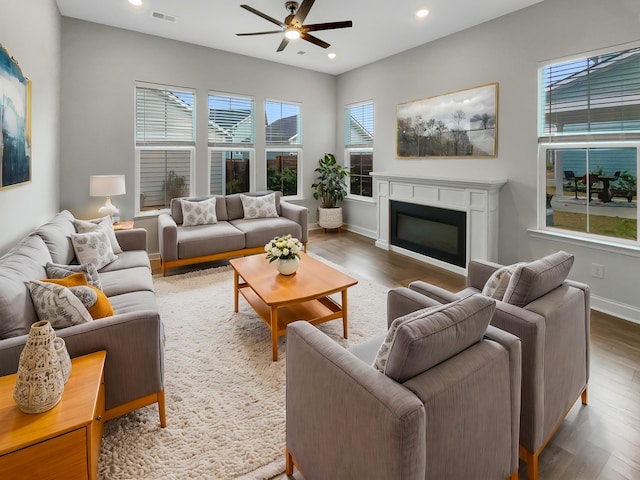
pixel 589 137
pixel 165 141
pixel 358 134
pixel 283 155
pixel 231 140
pixel 282 170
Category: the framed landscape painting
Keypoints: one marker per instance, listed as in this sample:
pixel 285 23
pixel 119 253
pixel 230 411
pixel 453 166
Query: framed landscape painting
pixel 457 124
pixel 15 123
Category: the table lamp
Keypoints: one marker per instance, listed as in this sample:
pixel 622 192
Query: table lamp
pixel 106 186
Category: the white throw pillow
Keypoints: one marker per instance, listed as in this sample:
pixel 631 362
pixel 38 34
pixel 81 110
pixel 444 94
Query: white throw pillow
pixel 259 207
pixel 199 213
pixel 62 271
pixel 57 305
pixel 93 247
pixel 498 282
pixel 104 223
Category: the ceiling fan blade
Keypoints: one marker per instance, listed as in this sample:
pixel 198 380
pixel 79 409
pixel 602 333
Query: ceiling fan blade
pixel 264 15
pixel 315 40
pixel 258 33
pixel 327 26
pixel 303 11
pixel 283 44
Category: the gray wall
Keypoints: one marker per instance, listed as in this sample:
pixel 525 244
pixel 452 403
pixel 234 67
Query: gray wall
pixel 30 32
pixel 100 66
pixel 506 51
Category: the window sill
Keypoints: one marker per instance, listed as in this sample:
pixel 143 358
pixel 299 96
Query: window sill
pixel 593 243
pixel 360 199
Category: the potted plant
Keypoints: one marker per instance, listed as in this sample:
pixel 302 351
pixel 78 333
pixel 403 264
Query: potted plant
pixel 330 188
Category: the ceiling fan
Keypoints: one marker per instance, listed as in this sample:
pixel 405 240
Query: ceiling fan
pixel 293 24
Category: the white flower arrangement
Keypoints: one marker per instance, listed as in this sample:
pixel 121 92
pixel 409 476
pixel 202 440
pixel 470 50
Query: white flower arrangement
pixel 285 248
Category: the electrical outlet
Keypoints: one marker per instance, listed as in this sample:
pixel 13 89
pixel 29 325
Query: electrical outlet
pixel 597 270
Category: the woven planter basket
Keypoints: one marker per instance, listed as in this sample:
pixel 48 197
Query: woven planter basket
pixel 330 217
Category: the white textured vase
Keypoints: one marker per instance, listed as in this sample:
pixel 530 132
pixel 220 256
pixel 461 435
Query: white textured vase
pixel 63 357
pixel 39 382
pixel 287 266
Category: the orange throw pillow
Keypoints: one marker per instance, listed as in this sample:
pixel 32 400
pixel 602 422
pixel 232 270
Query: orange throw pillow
pixel 95 301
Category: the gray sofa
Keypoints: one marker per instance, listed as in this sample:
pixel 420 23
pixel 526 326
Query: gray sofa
pixel 231 236
pixel 446 406
pixel 551 315
pixel 133 337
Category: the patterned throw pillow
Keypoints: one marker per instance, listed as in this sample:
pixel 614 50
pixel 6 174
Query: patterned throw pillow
pixel 57 305
pixel 499 281
pixel 94 300
pixel 93 247
pixel 259 207
pixel 55 270
pixel 104 224
pixel 199 213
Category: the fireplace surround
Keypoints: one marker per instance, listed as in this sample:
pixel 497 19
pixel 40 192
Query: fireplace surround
pixel 472 202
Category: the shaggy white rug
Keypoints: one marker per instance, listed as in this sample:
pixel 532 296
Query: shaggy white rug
pixel 225 398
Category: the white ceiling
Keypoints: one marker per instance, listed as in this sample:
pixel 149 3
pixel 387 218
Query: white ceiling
pixel 380 27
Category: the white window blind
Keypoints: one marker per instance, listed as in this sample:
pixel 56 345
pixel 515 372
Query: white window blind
pixel 282 123
pixel 599 94
pixel 164 115
pixel 231 120
pixel 164 174
pixel 358 125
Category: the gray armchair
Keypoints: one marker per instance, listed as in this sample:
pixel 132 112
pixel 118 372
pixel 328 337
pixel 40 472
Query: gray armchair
pixel 446 406
pixel 551 316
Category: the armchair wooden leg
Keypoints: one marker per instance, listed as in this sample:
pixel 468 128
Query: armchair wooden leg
pixel 532 462
pixel 585 395
pixel 289 463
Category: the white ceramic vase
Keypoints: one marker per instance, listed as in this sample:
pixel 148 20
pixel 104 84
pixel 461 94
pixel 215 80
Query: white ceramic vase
pixel 40 381
pixel 287 266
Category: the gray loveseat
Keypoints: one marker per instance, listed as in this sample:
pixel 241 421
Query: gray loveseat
pixel 232 235
pixel 133 337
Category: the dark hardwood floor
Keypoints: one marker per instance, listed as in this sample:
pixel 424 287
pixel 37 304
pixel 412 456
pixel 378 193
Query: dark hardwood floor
pixel 598 441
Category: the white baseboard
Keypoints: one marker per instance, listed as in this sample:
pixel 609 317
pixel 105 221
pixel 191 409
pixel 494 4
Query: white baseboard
pixel 620 310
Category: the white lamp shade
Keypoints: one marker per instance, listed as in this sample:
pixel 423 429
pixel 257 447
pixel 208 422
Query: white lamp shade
pixel 106 185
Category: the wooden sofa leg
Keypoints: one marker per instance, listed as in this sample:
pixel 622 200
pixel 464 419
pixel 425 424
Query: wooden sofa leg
pixel 161 409
pixel 532 462
pixel 289 463
pixel 585 395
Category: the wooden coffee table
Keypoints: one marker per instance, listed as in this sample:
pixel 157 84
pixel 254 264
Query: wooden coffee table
pixel 282 299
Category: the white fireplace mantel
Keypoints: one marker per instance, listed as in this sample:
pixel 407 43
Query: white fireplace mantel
pixel 477 197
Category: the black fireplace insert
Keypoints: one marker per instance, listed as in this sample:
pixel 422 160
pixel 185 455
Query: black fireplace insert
pixel 438 233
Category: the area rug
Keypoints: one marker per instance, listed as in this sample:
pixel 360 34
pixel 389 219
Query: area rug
pixel 225 398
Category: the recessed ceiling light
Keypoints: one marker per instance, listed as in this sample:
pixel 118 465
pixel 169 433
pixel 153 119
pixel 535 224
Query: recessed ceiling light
pixel 423 12
pixel 331 55
pixel 136 3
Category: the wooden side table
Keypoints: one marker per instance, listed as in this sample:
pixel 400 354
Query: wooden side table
pixel 125 225
pixel 63 442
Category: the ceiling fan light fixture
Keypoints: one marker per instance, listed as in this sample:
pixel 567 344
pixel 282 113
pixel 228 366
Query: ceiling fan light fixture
pixel 292 33
pixel 422 13
pixel 331 55
pixel 136 3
